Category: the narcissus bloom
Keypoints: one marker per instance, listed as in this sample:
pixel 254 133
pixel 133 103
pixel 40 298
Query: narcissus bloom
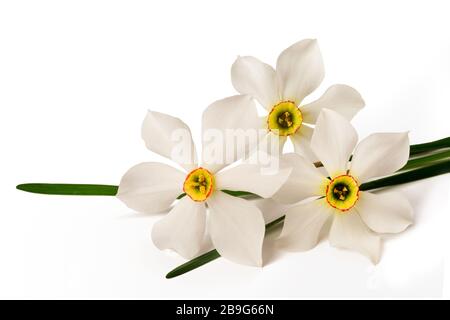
pixel 235 226
pixel 356 215
pixel 299 71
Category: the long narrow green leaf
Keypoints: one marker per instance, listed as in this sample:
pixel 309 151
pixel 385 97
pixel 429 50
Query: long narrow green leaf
pixel 194 264
pixel 429 146
pixel 70 189
pixel 426 160
pixel 110 190
pixel 408 176
pixel 400 178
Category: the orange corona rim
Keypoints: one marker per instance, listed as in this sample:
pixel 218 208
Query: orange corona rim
pixel 285 118
pixel 342 192
pixel 199 184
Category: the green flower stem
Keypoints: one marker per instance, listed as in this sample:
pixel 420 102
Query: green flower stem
pixel 400 178
pixel 428 171
pixel 426 160
pixel 429 146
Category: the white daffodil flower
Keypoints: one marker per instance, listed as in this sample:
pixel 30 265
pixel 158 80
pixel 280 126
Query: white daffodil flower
pixel 235 225
pixel 356 215
pixel 299 71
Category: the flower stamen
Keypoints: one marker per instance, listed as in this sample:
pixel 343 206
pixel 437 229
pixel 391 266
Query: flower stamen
pixel 342 192
pixel 199 184
pixel 285 118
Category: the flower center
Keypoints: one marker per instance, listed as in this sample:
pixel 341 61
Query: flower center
pixel 342 192
pixel 285 118
pixel 199 184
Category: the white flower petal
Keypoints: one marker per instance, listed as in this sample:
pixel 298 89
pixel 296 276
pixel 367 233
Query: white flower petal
pixel 252 178
pixel 251 76
pixel 379 154
pixel 272 144
pixel 229 129
pixel 150 187
pixel 305 180
pixel 237 229
pixel 169 137
pixel 301 141
pixel 300 70
pixel 341 98
pixel 384 212
pixel 183 229
pixel 303 224
pixel 348 231
pixel 270 208
pixel 333 141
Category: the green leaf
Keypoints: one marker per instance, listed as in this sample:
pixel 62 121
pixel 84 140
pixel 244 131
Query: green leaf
pixel 426 160
pixel 429 146
pixel 408 176
pixel 400 178
pixel 109 190
pixel 70 189
pixel 193 264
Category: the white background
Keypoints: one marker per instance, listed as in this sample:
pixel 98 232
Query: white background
pixel 76 79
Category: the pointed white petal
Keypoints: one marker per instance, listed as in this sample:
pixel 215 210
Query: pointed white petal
pixel 301 141
pixel 380 154
pixel 252 178
pixel 333 141
pixel 348 231
pixel 229 129
pixel 272 144
pixel 183 229
pixel 270 208
pixel 341 98
pixel 300 70
pixel 385 212
pixel 256 78
pixel 169 137
pixel 305 180
pixel 237 229
pixel 303 224
pixel 150 187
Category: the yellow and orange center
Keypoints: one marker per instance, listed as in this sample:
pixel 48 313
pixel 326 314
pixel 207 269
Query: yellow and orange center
pixel 199 184
pixel 285 118
pixel 342 192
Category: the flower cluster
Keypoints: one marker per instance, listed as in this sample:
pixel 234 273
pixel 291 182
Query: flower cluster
pixel 244 152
